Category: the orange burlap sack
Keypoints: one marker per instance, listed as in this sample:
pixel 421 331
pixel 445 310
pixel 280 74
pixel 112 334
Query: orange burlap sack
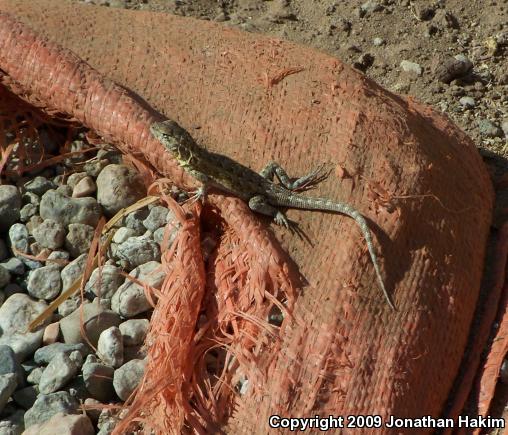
pixel 415 176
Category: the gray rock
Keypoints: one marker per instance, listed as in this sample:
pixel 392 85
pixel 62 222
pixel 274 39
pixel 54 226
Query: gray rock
pixel 489 129
pixel 118 186
pixel 136 251
pixel 94 167
pixel 157 217
pixel 8 384
pixel 95 320
pixel 75 178
pixel 65 190
pixel 123 233
pixel 107 427
pixel 31 198
pixel 35 375
pixel 48 405
pixel 14 265
pixel 33 223
pixel 5 276
pixel 378 42
pixel 130 299
pixel 27 212
pixel 61 208
pixel 10 205
pixel 127 377
pixel 60 258
pixel 15 315
pixel 50 234
pixel 105 302
pixel 18 237
pixel 134 331
pixel 104 281
pixel 59 371
pixel 411 67
pixel 31 264
pixel 467 102
pixel 110 347
pixel 64 425
pixel 9 364
pixel 77 358
pixel 98 379
pixel 79 239
pixel 25 397
pixel 13 424
pixel 39 185
pixel 45 354
pixel 158 235
pixel 69 305
pixel 371 6
pixel 73 271
pixel 45 283
pixel 135 220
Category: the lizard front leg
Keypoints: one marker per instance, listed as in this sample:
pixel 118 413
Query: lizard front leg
pixel 259 204
pixel 200 193
pixel 273 169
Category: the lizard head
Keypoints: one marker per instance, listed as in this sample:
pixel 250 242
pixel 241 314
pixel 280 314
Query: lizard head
pixel 174 138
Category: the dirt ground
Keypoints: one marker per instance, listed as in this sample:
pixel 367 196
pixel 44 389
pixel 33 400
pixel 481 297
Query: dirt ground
pixel 409 47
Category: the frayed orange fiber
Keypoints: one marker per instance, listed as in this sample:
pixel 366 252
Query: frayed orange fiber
pixel 164 393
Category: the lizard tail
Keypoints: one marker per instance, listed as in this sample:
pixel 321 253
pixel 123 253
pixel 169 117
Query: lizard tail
pixel 303 202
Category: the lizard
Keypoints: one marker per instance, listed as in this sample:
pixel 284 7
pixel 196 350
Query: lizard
pixel 257 189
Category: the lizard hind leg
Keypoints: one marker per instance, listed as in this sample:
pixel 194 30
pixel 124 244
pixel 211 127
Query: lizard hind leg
pixel 314 177
pixel 259 204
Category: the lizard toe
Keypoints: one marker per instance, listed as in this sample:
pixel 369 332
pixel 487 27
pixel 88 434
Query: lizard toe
pixel 281 220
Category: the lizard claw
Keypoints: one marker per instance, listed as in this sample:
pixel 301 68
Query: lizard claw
pixel 313 178
pixel 282 220
pixel 199 195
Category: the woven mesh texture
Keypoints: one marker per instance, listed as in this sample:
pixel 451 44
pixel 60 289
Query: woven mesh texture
pixel 417 179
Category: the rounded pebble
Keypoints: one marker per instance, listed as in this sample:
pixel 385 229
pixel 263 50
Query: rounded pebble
pixel 130 298
pixel 50 234
pixel 44 282
pixel 134 331
pixel 138 250
pixel 60 370
pixel 78 239
pixel 118 186
pixel 110 347
pixel 10 205
pixel 127 377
